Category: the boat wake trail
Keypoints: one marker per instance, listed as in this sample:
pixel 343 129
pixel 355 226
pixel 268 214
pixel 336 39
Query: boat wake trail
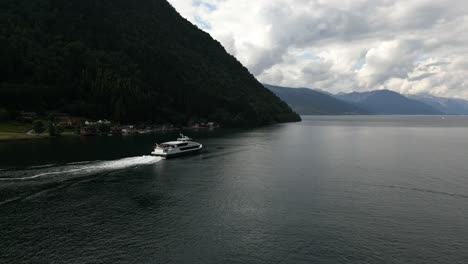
pixel 428 191
pixel 75 169
pixel 421 190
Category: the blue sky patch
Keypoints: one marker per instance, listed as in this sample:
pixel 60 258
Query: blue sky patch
pixel 208 6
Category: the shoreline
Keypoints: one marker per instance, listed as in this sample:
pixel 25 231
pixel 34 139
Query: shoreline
pixel 18 137
pixel 14 137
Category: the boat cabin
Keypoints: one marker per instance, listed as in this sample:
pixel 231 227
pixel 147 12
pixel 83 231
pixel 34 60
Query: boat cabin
pixel 174 144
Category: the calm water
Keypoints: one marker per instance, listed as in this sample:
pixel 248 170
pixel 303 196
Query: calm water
pixel 327 190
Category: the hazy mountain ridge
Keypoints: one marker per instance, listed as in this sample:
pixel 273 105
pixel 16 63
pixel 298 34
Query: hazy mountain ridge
pixel 449 106
pixel 384 102
pixel 312 102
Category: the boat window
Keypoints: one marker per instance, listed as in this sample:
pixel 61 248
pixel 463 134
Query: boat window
pixel 187 148
pixel 182 144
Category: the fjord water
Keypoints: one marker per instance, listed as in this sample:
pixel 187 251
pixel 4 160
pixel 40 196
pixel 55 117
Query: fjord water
pixel 358 189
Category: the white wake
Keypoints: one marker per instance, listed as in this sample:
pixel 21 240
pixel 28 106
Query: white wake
pixel 77 169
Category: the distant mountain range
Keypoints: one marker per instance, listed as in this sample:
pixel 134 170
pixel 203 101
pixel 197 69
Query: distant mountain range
pixel 310 102
pixel 307 101
pixel 385 102
pixel 449 106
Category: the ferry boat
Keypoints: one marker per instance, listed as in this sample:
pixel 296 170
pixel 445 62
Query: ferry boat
pixel 183 146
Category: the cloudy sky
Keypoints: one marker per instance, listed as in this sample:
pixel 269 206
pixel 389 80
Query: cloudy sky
pixel 409 46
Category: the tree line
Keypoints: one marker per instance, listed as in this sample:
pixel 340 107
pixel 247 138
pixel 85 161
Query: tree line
pixel 128 61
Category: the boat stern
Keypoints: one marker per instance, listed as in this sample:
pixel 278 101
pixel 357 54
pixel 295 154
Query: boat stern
pixel 159 152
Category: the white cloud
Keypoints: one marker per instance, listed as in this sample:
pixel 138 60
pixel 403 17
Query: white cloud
pixel 342 45
pixel 393 59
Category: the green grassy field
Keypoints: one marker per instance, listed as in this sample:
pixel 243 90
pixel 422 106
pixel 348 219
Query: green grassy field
pixel 13 130
pixel 15 136
pixel 15 127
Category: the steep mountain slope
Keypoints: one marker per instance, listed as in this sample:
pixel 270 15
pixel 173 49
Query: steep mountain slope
pixel 125 60
pixel 449 106
pixel 310 102
pixel 387 102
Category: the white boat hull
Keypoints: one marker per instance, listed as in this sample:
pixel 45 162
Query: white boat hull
pixel 177 152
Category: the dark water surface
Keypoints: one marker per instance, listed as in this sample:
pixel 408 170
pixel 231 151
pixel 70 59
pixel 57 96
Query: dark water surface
pixel 327 190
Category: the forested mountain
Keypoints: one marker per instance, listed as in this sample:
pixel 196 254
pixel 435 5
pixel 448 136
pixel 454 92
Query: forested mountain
pixel 310 102
pixel 126 60
pixel 449 106
pixel 386 102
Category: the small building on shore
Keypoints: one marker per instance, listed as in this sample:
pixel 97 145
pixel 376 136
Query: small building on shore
pixel 28 116
pixel 88 131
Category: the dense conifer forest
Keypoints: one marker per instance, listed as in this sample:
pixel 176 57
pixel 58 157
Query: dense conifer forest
pixel 129 61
